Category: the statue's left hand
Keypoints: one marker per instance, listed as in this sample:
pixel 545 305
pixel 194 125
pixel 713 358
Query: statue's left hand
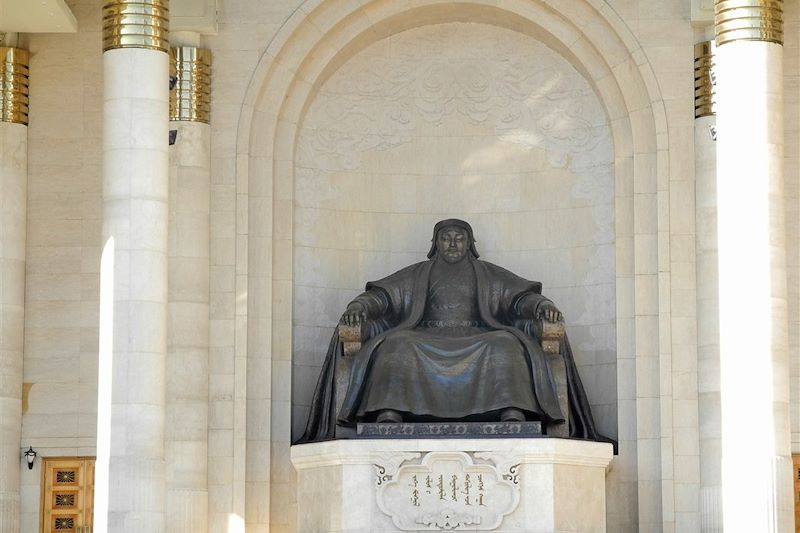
pixel 549 312
pixel 355 315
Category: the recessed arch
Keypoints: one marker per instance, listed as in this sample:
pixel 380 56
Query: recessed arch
pixel 320 37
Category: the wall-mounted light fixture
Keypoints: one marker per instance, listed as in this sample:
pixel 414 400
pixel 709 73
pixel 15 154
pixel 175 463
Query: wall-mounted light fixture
pixel 30 456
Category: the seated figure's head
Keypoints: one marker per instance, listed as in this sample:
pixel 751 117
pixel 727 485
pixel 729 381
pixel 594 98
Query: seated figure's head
pixel 452 240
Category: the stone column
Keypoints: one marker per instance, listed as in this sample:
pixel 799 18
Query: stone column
pixel 754 370
pixel 705 172
pixel 135 207
pixel 13 186
pixel 187 345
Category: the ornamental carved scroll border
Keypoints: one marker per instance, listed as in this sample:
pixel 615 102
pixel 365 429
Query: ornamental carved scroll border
pixel 448 491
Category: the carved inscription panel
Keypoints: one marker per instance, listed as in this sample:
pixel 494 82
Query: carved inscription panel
pixel 448 491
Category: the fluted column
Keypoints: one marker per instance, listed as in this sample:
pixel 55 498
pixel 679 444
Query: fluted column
pixel 188 341
pixel 13 186
pixel 135 217
pixel 756 455
pixel 705 171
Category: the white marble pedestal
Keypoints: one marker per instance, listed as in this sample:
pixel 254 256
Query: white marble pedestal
pixel 507 485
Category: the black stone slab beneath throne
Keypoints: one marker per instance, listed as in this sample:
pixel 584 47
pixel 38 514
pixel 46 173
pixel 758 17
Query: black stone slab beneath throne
pixel 453 430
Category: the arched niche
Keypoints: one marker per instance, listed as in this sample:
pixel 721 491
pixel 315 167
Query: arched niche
pixel 456 119
pixel 321 37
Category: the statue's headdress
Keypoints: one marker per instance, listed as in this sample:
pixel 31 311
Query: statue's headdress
pixel 453 222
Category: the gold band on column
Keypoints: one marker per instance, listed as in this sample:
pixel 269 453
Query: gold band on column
pixel 748 20
pixel 136 24
pixel 704 89
pixel 14 86
pixel 190 99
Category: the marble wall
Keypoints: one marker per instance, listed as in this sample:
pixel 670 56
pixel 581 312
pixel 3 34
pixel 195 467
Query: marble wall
pixel 471 150
pixel 63 247
pixel 457 120
pixel 791 148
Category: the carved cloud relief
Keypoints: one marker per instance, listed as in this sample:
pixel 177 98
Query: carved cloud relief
pixel 516 85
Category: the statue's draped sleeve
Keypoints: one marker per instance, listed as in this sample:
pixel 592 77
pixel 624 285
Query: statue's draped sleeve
pixel 375 302
pixel 398 289
pixel 510 296
pixel 387 301
pixel 526 306
pixel 498 292
pixel 321 423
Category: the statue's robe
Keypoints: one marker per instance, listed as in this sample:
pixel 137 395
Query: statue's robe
pixel 499 333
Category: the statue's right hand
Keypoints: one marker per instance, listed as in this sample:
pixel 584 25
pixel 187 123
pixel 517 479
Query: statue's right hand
pixel 355 315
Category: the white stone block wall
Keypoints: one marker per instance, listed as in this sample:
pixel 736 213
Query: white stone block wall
pixel 13 184
pixel 64 209
pixel 791 152
pixel 245 29
pixel 708 387
pixel 187 401
pixel 63 248
pixel 675 435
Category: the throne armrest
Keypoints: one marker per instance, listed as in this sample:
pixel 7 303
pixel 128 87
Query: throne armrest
pixel 551 336
pixel 552 333
pixel 352 338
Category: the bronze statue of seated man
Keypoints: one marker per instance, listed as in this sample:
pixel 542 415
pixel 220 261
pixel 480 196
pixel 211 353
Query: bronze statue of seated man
pixel 447 339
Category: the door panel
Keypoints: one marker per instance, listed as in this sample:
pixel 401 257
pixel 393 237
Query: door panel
pixel 67 494
pixel 796 463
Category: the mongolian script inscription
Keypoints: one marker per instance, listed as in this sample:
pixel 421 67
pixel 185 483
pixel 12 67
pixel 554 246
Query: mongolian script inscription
pixel 470 489
pixel 448 491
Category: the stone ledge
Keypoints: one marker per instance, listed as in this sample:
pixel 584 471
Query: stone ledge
pixel 530 450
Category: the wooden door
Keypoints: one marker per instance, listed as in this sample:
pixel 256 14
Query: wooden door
pixel 796 463
pixel 67 494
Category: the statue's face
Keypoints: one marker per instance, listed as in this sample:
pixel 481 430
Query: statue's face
pixel 452 243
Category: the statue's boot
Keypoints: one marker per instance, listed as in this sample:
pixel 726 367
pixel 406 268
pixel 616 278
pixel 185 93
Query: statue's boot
pixel 511 414
pixel 389 416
